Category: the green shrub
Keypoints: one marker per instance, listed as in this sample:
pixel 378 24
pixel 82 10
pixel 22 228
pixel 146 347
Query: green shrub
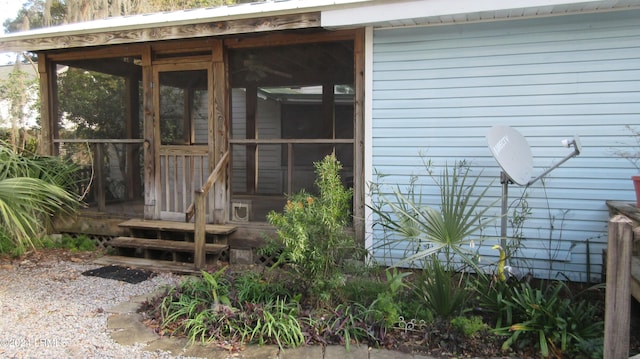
pixel 312 232
pixel 548 320
pixel 346 324
pixel 386 308
pixel 250 287
pixel 490 295
pixel 8 245
pixel 80 243
pixel 363 290
pixel 469 326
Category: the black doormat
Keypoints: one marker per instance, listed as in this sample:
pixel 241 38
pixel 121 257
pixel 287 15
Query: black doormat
pixel 123 274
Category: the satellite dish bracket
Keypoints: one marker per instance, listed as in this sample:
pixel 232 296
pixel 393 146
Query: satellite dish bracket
pixel 575 143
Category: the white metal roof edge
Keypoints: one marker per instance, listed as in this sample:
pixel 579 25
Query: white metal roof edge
pixel 183 17
pixel 334 13
pixel 380 13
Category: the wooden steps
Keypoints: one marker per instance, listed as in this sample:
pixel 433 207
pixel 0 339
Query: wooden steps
pixel 163 244
pixel 166 245
pixel 148 264
pixel 220 229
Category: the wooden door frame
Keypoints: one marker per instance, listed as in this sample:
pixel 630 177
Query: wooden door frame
pixel 183 64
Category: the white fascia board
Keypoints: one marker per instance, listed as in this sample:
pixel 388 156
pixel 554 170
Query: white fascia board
pixel 394 11
pixel 184 17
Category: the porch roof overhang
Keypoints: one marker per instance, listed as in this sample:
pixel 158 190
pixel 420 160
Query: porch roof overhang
pixel 275 15
pixel 444 12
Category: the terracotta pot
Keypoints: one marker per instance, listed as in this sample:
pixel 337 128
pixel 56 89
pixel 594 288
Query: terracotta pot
pixel 636 185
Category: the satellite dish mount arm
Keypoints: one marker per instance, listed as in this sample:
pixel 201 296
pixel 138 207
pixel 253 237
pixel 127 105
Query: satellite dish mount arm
pixel 575 143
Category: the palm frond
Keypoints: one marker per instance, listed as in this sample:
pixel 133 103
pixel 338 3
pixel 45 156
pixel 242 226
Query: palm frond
pixel 450 228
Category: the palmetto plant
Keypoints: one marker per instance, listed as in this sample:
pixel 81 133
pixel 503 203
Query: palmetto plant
pixel 443 293
pixel 450 229
pixel 32 190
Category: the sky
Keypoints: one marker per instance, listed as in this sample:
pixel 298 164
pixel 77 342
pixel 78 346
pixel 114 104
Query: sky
pixel 8 10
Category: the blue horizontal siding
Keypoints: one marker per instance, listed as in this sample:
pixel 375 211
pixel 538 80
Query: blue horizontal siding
pixel 438 91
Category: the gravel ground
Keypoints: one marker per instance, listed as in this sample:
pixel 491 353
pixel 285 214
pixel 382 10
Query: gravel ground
pixel 48 309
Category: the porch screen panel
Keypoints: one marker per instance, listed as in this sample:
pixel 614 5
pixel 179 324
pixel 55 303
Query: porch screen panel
pixel 291 106
pixel 183 107
pixel 99 114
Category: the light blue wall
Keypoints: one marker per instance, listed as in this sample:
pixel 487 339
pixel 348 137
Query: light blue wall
pixel 439 89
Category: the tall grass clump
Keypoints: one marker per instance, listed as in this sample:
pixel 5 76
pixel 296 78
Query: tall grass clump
pixel 551 320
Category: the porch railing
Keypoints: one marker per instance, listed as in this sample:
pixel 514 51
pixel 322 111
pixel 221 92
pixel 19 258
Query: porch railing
pixel 198 207
pixel 97 153
pixel 183 169
pixel 289 143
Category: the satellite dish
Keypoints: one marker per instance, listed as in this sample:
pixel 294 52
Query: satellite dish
pixel 512 152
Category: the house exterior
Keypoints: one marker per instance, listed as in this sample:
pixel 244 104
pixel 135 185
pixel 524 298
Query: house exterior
pixel 261 91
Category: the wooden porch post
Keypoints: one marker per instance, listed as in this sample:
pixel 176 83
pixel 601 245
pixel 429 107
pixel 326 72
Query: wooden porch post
pixel 200 254
pixel 618 288
pixel 47 96
pixel 218 131
pixel 132 131
pixel 151 175
pixel 98 150
pixel 358 150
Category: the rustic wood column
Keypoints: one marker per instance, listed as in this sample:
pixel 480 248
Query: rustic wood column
pixel 132 131
pixel 218 131
pixel 151 174
pixel 47 99
pixel 358 150
pixel 200 254
pixel 98 151
pixel 618 288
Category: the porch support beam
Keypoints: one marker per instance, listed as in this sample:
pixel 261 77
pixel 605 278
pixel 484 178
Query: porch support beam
pixel 151 173
pixel 132 131
pixel 47 93
pixel 218 131
pixel 358 150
